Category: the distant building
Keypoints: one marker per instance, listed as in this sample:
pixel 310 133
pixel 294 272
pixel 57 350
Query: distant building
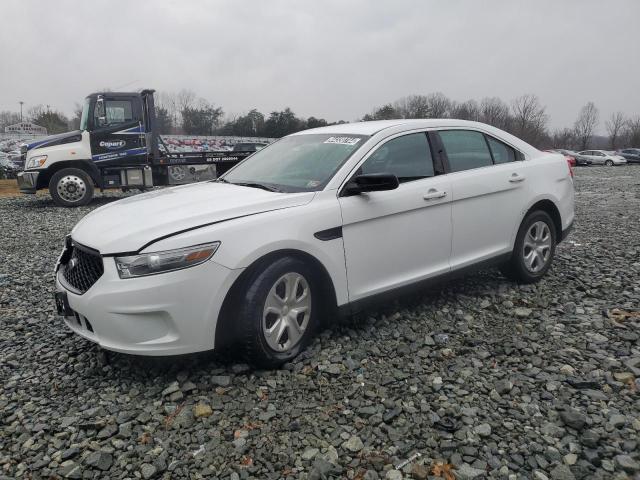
pixel 26 128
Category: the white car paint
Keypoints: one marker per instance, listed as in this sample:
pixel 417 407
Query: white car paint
pixel 422 229
pixel 601 157
pixel 60 153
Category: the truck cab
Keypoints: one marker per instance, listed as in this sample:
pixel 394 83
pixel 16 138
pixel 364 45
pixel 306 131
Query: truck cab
pixel 109 151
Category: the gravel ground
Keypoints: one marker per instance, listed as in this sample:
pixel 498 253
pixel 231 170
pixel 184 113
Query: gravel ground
pixel 479 378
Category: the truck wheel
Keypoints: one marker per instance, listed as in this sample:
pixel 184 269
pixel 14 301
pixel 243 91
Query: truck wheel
pixel 71 187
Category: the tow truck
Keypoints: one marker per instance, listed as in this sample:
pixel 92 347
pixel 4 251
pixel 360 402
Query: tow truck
pixel 117 147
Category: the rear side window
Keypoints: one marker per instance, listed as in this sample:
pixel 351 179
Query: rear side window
pixel 407 157
pixel 465 149
pixel 501 153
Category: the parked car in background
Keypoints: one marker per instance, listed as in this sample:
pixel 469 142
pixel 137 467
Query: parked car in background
pixel 571 159
pixel 249 146
pixel 321 222
pixel 571 153
pixel 632 155
pixel 602 157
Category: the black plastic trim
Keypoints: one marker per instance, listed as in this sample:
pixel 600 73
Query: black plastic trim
pixel 329 234
pixel 566 231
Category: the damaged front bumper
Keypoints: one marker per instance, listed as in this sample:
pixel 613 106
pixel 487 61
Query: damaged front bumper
pixel 28 181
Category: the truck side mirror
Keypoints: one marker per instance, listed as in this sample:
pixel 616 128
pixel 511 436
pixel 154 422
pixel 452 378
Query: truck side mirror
pixel 100 111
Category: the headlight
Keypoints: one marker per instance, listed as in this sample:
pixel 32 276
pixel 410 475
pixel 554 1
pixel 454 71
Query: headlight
pixel 36 162
pixel 167 261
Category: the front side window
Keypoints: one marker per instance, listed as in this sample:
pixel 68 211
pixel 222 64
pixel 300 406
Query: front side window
pixel 116 112
pixel 465 149
pixel 502 153
pixel 299 163
pixel 407 157
pixel 85 114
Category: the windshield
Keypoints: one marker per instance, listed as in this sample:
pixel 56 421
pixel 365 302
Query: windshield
pixel 299 163
pixel 85 114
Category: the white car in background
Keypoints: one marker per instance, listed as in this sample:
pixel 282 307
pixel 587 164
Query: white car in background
pixel 602 157
pixel 321 222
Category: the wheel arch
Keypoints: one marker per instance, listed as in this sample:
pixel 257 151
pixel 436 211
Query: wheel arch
pixel 548 206
pixel 85 165
pixel 225 332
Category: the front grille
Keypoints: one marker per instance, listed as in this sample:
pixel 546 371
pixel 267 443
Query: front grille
pixel 83 269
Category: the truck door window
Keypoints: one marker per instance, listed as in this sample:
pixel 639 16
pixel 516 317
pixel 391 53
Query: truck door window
pixel 117 111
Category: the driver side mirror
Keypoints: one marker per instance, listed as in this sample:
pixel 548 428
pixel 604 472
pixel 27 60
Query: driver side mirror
pixel 100 111
pixel 371 182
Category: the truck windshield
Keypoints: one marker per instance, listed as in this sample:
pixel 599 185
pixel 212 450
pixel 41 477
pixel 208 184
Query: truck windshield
pixel 85 114
pixel 299 163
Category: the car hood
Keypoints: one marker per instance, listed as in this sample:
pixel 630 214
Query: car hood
pixel 132 223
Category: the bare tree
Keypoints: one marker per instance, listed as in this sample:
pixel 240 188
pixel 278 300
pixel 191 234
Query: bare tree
pixel 494 112
pixel 614 126
pixel 632 132
pixel 469 110
pixel 439 106
pixel 563 138
pixel 412 106
pixel 529 118
pixel 585 125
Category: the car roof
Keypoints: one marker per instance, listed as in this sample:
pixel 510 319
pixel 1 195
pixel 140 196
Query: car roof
pixel 375 126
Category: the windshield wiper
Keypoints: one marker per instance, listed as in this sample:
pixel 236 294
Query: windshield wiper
pixel 221 180
pixel 268 188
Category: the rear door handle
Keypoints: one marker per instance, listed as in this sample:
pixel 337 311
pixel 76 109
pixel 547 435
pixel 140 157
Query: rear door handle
pixel 516 178
pixel 434 194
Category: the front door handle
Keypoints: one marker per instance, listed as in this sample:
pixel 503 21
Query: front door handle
pixel 434 194
pixel 516 178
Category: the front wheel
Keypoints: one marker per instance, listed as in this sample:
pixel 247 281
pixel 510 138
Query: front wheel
pixel 279 312
pixel 534 249
pixel 609 163
pixel 71 187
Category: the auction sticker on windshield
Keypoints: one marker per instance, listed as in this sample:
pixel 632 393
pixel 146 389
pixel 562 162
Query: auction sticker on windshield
pixel 342 140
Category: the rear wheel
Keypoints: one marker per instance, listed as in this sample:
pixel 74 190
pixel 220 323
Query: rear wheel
pixel 609 163
pixel 279 312
pixel 534 249
pixel 71 187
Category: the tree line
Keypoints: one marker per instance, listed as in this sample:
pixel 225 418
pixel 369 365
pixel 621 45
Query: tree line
pixel 525 116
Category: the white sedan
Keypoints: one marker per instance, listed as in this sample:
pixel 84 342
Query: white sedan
pixel 602 157
pixel 320 223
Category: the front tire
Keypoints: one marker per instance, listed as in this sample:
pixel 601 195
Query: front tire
pixel 534 249
pixel 71 187
pixel 279 312
pixel 609 163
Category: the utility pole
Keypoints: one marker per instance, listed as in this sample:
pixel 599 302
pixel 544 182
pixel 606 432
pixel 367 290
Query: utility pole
pixel 21 103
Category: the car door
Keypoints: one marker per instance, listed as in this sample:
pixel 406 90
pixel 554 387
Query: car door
pixel 397 237
pixel 489 194
pixel 598 157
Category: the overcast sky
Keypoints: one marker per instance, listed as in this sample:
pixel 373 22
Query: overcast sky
pixel 334 59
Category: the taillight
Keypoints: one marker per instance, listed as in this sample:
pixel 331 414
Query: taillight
pixel 570 167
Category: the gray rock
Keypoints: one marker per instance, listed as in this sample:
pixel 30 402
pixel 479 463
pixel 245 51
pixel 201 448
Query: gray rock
pixel 503 386
pixel 221 380
pixel 573 418
pixel 147 470
pixel 484 429
pixel 562 472
pixel 100 460
pixel 354 444
pixel 626 463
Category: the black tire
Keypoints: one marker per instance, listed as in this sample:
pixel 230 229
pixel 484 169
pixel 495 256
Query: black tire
pixel 251 307
pixel 516 268
pixel 71 187
pixel 609 163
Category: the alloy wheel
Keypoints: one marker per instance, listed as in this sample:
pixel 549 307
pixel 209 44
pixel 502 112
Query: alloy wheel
pixel 287 311
pixel 536 250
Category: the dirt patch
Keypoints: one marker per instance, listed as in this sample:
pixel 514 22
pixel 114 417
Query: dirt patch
pixel 9 188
